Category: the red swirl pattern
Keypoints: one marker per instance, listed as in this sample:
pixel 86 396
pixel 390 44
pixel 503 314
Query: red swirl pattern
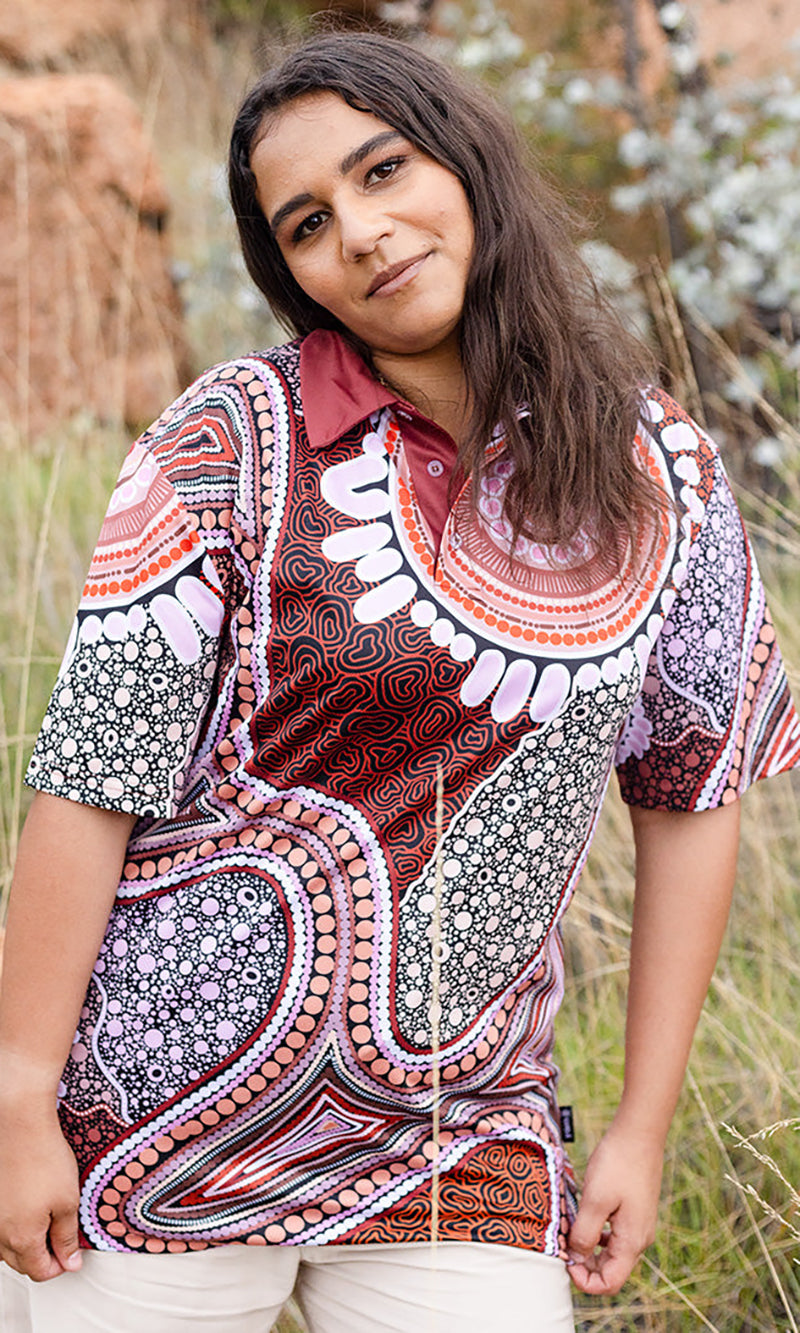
pixel 254 1061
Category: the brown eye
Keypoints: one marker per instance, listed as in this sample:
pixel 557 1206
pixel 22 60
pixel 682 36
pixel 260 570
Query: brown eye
pixel 308 226
pixel 383 170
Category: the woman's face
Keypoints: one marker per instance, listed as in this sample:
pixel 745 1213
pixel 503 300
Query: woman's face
pixel 371 227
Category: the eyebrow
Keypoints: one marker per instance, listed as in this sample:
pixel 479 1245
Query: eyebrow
pixel 352 159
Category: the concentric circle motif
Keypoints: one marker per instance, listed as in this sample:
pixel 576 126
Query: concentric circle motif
pixel 572 602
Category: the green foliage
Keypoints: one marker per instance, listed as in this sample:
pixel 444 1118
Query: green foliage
pixel 725 1259
pixel 51 506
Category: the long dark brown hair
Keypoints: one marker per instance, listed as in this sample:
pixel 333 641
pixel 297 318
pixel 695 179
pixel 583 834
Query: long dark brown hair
pixel 535 330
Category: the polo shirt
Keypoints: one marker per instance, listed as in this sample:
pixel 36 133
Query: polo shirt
pixel 353 394
pixel 284 644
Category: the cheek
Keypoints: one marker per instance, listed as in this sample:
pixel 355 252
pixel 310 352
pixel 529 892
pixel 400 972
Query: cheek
pixel 314 280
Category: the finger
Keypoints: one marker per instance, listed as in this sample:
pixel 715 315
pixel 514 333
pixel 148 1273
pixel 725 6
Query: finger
pixel 589 1225
pixel 33 1259
pixel 602 1275
pixel 64 1238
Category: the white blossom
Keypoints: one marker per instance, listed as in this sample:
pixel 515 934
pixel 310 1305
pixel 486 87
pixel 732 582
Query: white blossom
pixel 577 91
pixel 769 451
pixel 635 148
pixel 671 16
pixel 684 59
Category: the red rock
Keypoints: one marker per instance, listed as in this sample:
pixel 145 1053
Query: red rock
pixel 89 316
pixel 34 32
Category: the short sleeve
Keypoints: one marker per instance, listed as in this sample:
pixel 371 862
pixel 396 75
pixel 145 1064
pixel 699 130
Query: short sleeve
pixel 714 713
pixel 137 674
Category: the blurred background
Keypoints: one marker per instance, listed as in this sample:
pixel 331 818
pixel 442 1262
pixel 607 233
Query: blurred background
pixel 674 128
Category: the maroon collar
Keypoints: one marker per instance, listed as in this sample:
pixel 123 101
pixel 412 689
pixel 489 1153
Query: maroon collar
pixel 338 389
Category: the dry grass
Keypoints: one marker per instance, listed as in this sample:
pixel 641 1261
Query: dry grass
pixel 726 1255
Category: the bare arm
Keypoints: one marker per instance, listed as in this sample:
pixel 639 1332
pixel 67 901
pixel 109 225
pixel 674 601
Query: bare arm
pixel 67 872
pixel 685 869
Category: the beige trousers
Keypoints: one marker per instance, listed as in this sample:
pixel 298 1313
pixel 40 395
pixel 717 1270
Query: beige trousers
pixel 459 1288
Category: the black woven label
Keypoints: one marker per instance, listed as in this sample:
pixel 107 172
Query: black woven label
pixel 567 1126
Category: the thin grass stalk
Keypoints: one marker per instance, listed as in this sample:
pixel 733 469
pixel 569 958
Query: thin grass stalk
pixel 766 1160
pixel 19 147
pixel 686 1300
pixel 30 633
pixel 660 294
pixel 119 343
pixel 783 428
pixel 717 1137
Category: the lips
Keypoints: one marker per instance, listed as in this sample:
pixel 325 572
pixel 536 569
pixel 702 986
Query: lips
pixel 396 276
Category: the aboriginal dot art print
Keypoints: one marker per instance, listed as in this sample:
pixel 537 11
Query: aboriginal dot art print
pixel 271 661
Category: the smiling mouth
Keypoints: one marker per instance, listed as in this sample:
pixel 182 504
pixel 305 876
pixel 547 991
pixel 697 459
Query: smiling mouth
pixel 396 276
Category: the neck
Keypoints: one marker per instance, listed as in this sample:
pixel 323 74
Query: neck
pixel 433 382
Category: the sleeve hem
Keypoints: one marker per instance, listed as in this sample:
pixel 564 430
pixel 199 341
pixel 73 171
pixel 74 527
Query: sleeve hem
pixel 122 802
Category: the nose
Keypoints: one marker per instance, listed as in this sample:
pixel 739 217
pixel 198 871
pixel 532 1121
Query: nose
pixel 362 225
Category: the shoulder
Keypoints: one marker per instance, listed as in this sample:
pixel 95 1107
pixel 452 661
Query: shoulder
pixel 227 399
pixel 681 450
pixel 670 426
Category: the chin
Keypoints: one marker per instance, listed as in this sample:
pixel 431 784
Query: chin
pixel 412 344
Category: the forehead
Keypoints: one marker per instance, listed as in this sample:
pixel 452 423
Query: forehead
pixel 307 139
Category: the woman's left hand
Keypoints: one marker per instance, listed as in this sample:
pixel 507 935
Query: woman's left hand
pixel 617 1216
pixel 685 867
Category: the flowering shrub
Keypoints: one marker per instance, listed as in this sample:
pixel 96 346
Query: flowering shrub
pixel 715 168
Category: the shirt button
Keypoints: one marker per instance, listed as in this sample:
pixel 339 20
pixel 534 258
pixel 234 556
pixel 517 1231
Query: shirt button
pixel 435 468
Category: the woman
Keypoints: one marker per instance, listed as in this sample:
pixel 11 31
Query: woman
pixel 370 618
